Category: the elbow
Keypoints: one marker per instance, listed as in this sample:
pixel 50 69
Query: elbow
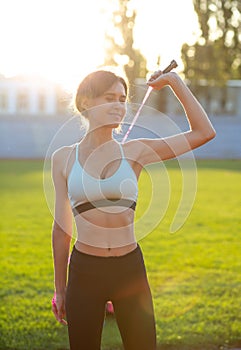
pixel 210 135
pixel 203 137
pixel 59 233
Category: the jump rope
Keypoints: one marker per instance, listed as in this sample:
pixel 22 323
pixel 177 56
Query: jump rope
pixel 172 65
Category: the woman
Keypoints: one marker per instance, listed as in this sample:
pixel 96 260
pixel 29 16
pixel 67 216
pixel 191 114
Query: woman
pixel 96 180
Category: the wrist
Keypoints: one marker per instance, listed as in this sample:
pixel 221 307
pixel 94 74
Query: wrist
pixel 58 297
pixel 174 79
pixel 60 289
pixel 60 280
pixel 178 86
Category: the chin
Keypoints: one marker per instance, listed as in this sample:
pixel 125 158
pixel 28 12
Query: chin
pixel 113 126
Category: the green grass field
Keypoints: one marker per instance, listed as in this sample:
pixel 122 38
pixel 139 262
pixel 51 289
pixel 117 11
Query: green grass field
pixel 195 273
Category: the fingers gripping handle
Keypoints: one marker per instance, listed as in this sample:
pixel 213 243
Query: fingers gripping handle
pixel 156 74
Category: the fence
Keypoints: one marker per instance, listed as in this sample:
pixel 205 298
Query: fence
pixel 34 137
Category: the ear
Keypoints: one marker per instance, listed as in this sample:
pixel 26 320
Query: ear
pixel 85 103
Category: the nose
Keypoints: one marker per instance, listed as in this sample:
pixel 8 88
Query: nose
pixel 119 105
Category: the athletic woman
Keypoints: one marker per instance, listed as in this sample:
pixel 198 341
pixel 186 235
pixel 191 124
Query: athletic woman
pixel 96 180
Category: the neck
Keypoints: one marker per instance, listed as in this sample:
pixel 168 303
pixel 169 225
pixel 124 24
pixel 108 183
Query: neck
pixel 99 136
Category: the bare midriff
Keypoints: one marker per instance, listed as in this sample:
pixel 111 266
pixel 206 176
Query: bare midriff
pixel 105 252
pixel 103 233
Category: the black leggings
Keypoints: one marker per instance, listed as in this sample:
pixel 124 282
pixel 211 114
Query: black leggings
pixel 95 280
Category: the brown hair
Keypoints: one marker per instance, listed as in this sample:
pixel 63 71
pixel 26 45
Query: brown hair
pixel 95 84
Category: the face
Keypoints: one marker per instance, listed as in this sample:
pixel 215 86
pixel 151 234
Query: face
pixel 108 109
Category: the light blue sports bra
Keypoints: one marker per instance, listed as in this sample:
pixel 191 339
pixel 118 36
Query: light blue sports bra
pixel 87 192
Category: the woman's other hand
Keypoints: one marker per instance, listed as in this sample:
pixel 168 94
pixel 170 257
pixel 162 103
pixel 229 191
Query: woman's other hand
pixel 58 307
pixel 158 80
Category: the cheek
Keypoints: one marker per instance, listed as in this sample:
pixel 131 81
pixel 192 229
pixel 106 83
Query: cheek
pixel 123 108
pixel 99 111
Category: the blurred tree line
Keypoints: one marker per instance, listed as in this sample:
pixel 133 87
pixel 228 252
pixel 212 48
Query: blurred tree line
pixel 120 49
pixel 212 60
pixel 215 58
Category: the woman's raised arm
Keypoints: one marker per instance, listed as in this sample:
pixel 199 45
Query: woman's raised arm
pixel 200 131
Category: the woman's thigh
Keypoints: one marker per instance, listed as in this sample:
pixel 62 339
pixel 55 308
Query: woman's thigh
pixel 135 317
pixel 85 309
pixel 85 319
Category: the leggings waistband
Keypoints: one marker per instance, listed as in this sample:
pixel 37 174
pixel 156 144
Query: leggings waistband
pixel 129 258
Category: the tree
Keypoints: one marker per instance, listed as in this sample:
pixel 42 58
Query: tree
pixel 216 56
pixel 120 43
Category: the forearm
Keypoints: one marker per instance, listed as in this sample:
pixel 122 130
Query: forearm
pixel 197 117
pixel 60 245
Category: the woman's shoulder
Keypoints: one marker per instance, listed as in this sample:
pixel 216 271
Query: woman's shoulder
pixel 133 148
pixel 61 154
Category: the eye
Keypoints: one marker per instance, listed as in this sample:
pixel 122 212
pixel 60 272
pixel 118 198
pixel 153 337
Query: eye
pixel 110 99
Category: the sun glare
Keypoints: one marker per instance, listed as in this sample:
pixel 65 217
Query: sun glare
pixel 161 29
pixel 64 40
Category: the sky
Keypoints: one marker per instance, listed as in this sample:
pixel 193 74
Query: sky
pixel 64 40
